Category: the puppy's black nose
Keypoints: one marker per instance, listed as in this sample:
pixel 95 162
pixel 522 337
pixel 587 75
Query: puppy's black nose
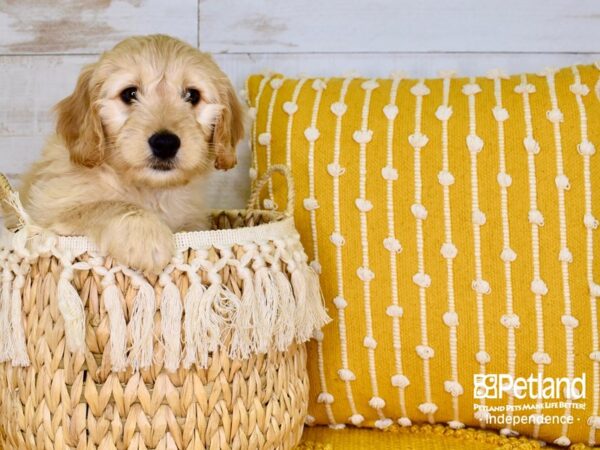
pixel 164 144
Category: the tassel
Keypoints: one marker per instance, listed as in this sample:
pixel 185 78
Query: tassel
pixel 118 327
pixel 227 307
pixel 141 325
pixel 203 323
pixel 193 314
pixel 303 321
pixel 315 300
pixel 171 311
pixel 210 323
pixel 310 311
pixel 71 308
pixel 20 357
pixel 6 345
pixel 285 327
pixel 242 344
pixel 266 311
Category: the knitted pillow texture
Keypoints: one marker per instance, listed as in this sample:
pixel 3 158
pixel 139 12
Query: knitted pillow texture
pixel 454 224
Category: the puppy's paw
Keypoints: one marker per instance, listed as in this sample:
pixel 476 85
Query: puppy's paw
pixel 139 240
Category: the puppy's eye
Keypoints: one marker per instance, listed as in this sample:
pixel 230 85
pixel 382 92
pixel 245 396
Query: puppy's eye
pixel 128 95
pixel 192 96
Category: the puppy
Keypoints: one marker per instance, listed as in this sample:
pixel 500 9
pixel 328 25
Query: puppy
pixel 134 141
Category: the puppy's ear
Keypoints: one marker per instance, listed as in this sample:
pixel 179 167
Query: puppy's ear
pixel 79 123
pixel 228 128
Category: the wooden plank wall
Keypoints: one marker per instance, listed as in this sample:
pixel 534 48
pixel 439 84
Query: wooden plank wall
pixel 43 45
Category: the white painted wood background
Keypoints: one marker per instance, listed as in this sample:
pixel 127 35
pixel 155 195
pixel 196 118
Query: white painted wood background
pixel 43 44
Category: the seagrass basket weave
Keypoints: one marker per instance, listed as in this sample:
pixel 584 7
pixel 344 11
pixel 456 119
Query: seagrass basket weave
pixel 210 354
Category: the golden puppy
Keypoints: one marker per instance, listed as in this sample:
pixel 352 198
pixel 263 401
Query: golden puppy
pixel 133 143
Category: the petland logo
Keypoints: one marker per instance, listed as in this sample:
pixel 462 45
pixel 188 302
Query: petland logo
pixel 496 386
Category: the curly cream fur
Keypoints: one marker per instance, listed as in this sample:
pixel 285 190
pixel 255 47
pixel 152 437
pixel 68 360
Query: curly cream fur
pixel 95 176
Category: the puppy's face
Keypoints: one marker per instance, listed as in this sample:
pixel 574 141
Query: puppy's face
pixel 155 109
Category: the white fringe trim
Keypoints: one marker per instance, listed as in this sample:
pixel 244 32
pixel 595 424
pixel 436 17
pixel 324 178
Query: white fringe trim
pixel 284 327
pixel 118 327
pixel 71 308
pixel 265 318
pixel 193 316
pixel 20 357
pixel 171 312
pixel 6 344
pixel 278 301
pixel 243 340
pixel 141 325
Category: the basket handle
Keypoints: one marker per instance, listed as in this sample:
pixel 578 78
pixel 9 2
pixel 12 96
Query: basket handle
pixel 8 196
pixel 283 170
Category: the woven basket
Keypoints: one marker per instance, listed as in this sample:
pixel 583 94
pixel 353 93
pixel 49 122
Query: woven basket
pixel 210 354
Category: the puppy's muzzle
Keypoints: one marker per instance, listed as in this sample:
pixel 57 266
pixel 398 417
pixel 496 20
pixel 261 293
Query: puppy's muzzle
pixel 164 145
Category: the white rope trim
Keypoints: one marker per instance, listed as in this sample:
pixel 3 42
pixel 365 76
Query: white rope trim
pixel 538 287
pixel 324 397
pixel 594 420
pixel 252 113
pixel 291 107
pixel 449 252
pixel 337 239
pixel 198 240
pixel 362 137
pixel 311 203
pixel 480 285
pixel 391 243
pixel 418 140
pixel 586 149
pixel 312 134
pixel 275 84
pixel 509 320
pixel 562 184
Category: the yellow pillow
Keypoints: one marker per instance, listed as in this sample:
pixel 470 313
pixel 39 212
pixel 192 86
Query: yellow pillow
pixel 454 225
